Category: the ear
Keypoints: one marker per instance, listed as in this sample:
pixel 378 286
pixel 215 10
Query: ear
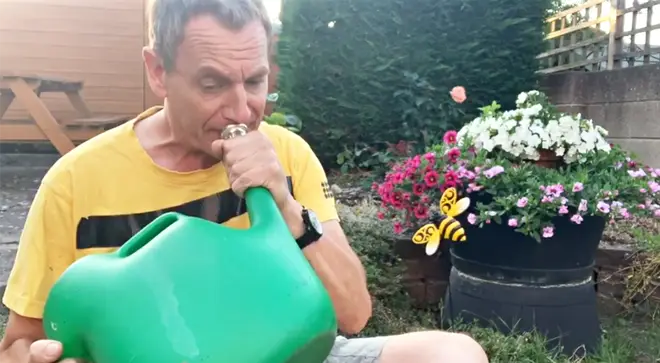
pixel 155 72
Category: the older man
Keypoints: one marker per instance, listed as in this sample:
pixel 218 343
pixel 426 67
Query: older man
pixel 209 60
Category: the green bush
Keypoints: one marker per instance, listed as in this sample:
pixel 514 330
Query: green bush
pixel 363 72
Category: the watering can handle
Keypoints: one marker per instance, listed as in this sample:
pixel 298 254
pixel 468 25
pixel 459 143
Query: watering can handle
pixel 262 209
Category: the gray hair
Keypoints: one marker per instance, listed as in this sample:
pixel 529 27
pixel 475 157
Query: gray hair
pixel 168 19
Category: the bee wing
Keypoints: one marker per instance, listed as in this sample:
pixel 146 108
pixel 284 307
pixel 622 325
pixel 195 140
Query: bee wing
pixel 425 234
pixel 434 244
pixel 448 200
pixel 460 207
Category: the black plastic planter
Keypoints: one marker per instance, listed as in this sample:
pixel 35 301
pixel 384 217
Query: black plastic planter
pixel 509 281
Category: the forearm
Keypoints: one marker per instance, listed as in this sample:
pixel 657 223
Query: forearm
pixel 339 269
pixel 342 275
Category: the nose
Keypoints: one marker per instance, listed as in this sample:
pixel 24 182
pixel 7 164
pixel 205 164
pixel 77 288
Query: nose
pixel 236 110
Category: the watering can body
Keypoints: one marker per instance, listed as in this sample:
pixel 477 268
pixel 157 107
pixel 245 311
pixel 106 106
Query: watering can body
pixel 188 290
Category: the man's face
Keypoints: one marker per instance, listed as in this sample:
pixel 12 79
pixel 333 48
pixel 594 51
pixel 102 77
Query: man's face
pixel 220 77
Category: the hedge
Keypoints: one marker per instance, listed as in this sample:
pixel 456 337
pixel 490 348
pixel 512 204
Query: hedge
pixel 383 69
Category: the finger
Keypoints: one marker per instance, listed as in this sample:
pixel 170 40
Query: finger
pixel 72 361
pixel 45 351
pixel 217 148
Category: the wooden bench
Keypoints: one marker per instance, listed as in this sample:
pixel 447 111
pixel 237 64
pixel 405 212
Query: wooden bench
pixel 43 126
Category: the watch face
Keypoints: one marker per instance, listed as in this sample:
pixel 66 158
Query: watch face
pixel 314 221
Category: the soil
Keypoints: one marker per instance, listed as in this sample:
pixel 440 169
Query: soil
pixel 18 184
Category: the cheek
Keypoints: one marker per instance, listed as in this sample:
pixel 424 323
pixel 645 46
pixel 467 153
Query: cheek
pixel 257 102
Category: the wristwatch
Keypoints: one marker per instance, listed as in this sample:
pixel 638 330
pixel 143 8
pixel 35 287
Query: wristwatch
pixel 313 229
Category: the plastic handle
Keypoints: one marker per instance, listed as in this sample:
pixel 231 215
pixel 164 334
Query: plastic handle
pixel 261 207
pixel 147 233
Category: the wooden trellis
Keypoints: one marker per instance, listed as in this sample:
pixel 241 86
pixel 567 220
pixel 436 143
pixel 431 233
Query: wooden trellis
pixel 603 35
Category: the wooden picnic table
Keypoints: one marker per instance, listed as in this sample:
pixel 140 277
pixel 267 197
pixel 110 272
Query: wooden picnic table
pixel 43 126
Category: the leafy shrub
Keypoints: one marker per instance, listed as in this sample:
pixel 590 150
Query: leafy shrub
pixel 363 72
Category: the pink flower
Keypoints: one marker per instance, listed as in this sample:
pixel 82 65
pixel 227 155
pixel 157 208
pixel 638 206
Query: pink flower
pixel 421 211
pixel 494 171
pixel 474 187
pixel 419 189
pixel 577 219
pixel 458 94
pixel 451 177
pixel 430 158
pixel 642 190
pixel 563 209
pixel 447 185
pixel 453 154
pixel 603 207
pixel 522 202
pixel 654 186
pixel 381 215
pixel 450 137
pixel 578 187
pixel 547 199
pixel 624 213
pixel 656 213
pixel 513 222
pixel 431 178
pixel 583 206
pixel 639 173
pixel 398 228
pixel 548 232
pixel 471 218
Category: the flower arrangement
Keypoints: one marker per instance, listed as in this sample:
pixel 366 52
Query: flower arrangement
pixel 494 156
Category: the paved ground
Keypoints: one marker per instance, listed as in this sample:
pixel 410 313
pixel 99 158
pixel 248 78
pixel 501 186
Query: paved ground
pixel 19 179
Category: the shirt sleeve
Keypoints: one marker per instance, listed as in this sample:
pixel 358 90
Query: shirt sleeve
pixel 310 183
pixel 45 250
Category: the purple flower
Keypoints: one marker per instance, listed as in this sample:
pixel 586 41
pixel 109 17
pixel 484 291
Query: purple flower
pixel 494 171
pixel 548 232
pixel 639 173
pixel 513 222
pixel 578 187
pixel 616 205
pixel 583 206
pixel 522 202
pixel 563 209
pixel 554 190
pixel 603 207
pixel 576 218
pixel 471 218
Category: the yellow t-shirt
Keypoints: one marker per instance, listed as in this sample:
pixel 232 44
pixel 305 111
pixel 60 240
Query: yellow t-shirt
pixel 100 194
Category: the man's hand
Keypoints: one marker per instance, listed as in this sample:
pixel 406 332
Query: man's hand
pixel 251 161
pixel 47 351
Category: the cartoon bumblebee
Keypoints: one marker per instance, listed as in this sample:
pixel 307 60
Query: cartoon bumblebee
pixel 443 226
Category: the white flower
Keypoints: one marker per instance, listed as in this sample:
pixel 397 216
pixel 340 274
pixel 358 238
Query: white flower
pixel 522 132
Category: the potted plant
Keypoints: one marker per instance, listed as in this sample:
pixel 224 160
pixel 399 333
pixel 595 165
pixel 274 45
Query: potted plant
pixel 542 185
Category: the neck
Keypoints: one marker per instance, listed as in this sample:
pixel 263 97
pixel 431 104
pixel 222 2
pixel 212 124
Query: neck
pixel 166 149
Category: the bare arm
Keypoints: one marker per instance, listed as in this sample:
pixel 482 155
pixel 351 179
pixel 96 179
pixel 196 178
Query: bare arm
pixel 21 332
pixel 340 270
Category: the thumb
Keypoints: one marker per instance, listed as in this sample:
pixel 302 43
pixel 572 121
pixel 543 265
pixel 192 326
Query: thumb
pixel 45 351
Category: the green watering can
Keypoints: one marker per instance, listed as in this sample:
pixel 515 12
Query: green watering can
pixel 187 290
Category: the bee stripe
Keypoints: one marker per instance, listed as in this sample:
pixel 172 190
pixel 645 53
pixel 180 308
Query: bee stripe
pixel 442 227
pixel 454 225
pixel 458 234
